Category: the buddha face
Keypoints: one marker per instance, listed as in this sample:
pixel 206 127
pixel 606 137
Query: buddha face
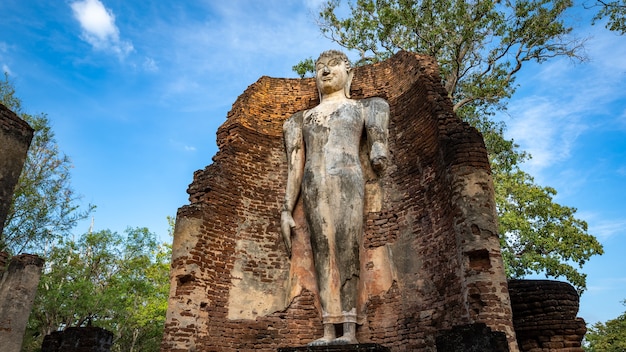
pixel 331 73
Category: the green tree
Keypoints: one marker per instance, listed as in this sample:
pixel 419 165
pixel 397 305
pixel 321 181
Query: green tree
pixel 304 67
pixel 480 46
pixel 120 283
pixel 615 11
pixel 44 206
pixel 607 337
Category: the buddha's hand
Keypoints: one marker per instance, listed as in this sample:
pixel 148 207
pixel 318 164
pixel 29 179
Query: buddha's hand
pixel 286 224
pixel 379 164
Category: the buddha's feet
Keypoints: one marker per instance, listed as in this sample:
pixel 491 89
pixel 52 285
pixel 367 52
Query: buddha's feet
pixel 321 342
pixel 345 340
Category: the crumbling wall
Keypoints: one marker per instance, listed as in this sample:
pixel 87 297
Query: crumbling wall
pixel 18 281
pixel 544 316
pixel 430 255
pixel 18 287
pixel 15 137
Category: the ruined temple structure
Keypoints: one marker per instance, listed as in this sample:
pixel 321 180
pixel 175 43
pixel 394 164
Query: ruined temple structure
pixel 544 316
pixel 19 275
pixel 15 138
pixel 430 254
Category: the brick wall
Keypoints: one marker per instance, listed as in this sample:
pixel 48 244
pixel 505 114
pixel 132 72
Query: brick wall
pixel 18 287
pixel 544 316
pixel 15 137
pixel 18 280
pixel 430 256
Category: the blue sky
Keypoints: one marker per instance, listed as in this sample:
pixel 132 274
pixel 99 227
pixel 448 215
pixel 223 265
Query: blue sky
pixel 135 91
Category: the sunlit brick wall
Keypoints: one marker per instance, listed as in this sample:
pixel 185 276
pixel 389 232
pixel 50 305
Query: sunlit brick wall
pixel 233 287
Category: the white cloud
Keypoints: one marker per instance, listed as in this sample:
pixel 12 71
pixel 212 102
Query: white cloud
pixel 609 54
pixel 604 287
pixel 150 65
pixel 178 145
pixel 211 56
pixel 568 100
pixel 608 228
pixel 5 66
pixel 6 69
pixel 99 29
pixel 546 128
pixel 607 284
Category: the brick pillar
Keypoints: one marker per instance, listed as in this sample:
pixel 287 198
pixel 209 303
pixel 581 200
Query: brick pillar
pixel 15 137
pixel 18 287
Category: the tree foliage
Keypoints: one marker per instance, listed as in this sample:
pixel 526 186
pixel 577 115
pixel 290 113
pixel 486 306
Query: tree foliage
pixel 480 47
pixel 44 206
pixel 607 337
pixel 540 235
pixel 304 67
pixel 615 11
pixel 120 283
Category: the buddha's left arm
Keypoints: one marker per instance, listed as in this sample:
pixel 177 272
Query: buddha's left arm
pixel 376 111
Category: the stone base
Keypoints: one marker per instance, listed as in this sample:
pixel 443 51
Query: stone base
pixel 362 347
pixel 83 339
pixel 472 338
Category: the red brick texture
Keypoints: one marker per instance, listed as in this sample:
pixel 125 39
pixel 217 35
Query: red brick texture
pixel 544 316
pixel 15 138
pixel 437 220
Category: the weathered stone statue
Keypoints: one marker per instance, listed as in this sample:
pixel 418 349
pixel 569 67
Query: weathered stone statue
pixel 324 168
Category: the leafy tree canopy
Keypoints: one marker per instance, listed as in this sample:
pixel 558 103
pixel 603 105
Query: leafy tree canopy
pixel 614 11
pixel 480 46
pixel 607 337
pixel 120 283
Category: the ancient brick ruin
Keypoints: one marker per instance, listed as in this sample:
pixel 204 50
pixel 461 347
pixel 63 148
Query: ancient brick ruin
pixel 430 257
pixel 19 276
pixel 15 137
pixel 544 316
pixel 18 287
